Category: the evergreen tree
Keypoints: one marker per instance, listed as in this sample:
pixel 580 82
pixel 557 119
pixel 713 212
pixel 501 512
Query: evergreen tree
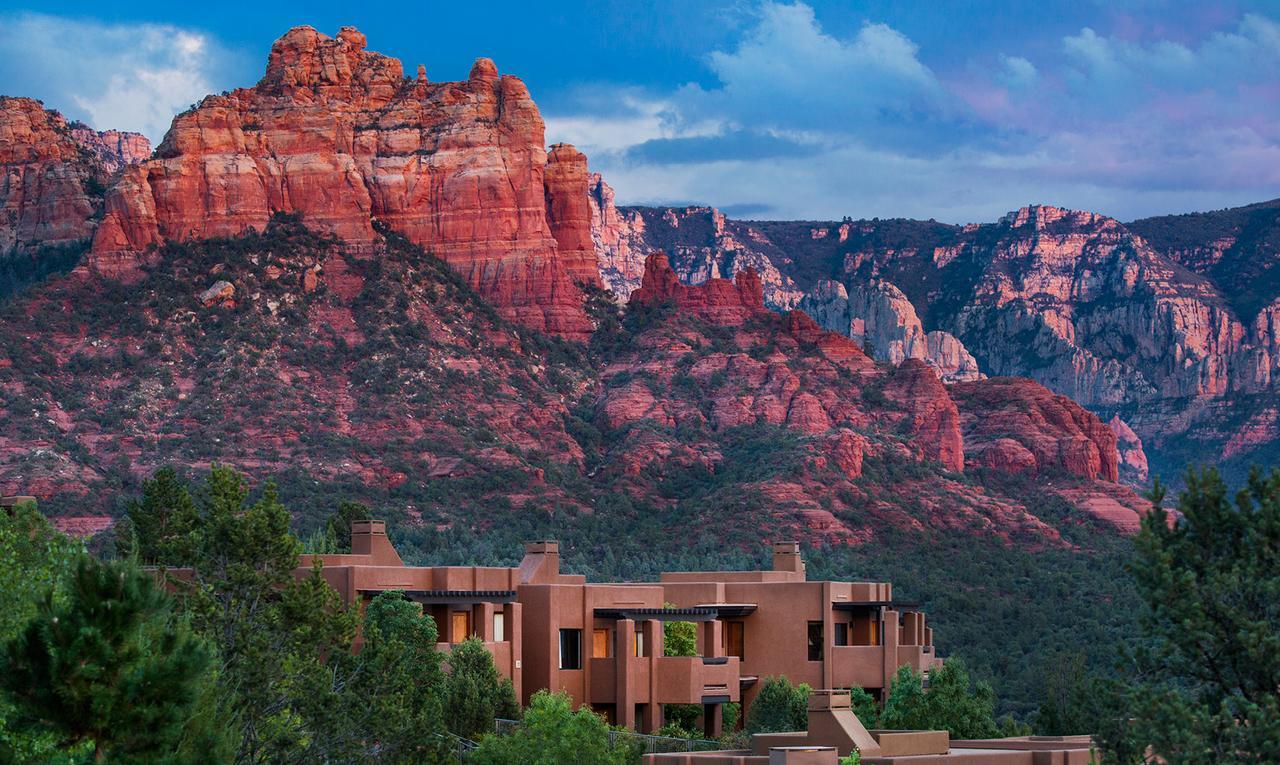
pixel 779 707
pixel 475 693
pixel 953 702
pixel 339 525
pixel 160 523
pixel 1207 680
pixel 111 669
pixel 553 734
pixel 34 560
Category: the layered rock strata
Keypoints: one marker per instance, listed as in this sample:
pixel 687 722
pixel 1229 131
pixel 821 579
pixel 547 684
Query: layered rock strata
pixel 336 133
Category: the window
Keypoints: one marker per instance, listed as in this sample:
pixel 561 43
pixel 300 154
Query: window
pixel 600 644
pixel 842 633
pixel 499 627
pixel 815 641
pixel 461 626
pixel 570 649
pixel 639 642
pixel 734 643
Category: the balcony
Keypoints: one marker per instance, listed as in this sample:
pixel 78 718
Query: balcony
pixel 678 679
pixel 696 679
pixel 859 666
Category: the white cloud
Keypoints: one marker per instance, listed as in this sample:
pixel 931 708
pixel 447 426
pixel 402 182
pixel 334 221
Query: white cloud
pixel 1016 72
pixel 121 76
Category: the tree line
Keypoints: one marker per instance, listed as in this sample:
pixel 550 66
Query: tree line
pixel 197 643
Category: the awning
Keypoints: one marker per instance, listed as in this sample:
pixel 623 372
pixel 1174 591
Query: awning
pixel 698 614
pixel 730 610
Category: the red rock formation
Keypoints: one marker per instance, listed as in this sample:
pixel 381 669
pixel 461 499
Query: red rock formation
pixel 934 421
pixel 45 197
pixel 718 301
pixel 1133 460
pixel 335 132
pixel 1018 425
pixel 115 149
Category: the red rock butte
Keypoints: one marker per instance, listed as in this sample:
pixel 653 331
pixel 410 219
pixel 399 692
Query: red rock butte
pixel 336 133
pixel 718 301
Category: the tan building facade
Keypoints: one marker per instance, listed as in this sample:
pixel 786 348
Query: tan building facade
pixel 602 643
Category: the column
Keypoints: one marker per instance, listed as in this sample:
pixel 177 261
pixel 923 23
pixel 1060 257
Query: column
pixel 712 720
pixel 711 638
pixel 484 613
pixel 653 646
pixel 624 695
pixel 889 646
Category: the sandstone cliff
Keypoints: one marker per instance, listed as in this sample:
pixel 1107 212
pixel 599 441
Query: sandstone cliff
pixel 880 318
pixel 1173 323
pixel 700 242
pixel 336 133
pixel 54 174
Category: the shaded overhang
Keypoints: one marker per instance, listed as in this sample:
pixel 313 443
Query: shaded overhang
pixel 730 610
pixel 863 605
pixel 698 614
pixel 438 597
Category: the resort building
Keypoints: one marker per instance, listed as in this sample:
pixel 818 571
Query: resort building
pixel 602 643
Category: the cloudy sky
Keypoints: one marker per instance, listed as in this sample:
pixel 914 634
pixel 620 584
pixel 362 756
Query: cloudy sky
pixel 958 110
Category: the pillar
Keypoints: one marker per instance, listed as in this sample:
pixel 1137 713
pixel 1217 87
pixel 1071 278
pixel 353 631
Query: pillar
pixel 712 720
pixel 624 692
pixel 711 638
pixel 653 647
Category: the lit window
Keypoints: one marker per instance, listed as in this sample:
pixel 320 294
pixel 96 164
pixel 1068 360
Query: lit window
pixel 499 627
pixel 461 626
pixel 600 644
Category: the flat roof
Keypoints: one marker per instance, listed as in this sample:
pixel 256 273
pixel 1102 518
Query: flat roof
pixel 430 597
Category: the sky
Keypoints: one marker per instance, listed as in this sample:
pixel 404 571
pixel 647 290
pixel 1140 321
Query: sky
pixel 957 110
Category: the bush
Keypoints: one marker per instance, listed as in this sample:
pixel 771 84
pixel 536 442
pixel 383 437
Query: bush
pixel 779 707
pixel 553 734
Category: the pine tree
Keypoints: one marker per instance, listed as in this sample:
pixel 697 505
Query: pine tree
pixel 475 693
pixel 1208 675
pixel 779 707
pixel 113 670
pixel 160 523
pixel 339 525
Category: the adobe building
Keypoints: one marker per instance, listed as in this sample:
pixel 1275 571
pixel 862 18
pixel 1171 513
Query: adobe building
pixel 602 643
pixel 834 731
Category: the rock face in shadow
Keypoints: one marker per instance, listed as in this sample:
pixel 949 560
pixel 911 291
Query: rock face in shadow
pixel 334 132
pixel 54 175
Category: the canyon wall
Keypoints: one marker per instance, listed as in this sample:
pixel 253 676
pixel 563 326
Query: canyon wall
pixel 336 133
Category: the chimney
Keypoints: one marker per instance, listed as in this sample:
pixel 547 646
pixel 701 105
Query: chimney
pixel 541 564
pixel 370 538
pixel 786 557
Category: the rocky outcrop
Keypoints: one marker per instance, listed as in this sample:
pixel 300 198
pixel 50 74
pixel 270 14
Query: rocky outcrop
pixel 1133 460
pixel 934 419
pixel 880 318
pixel 1017 425
pixel 619 240
pixel 335 133
pixel 114 149
pixel 718 301
pixel 50 192
pixel 701 244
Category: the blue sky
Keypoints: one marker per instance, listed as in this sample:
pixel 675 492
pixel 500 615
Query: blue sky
pixel 958 110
